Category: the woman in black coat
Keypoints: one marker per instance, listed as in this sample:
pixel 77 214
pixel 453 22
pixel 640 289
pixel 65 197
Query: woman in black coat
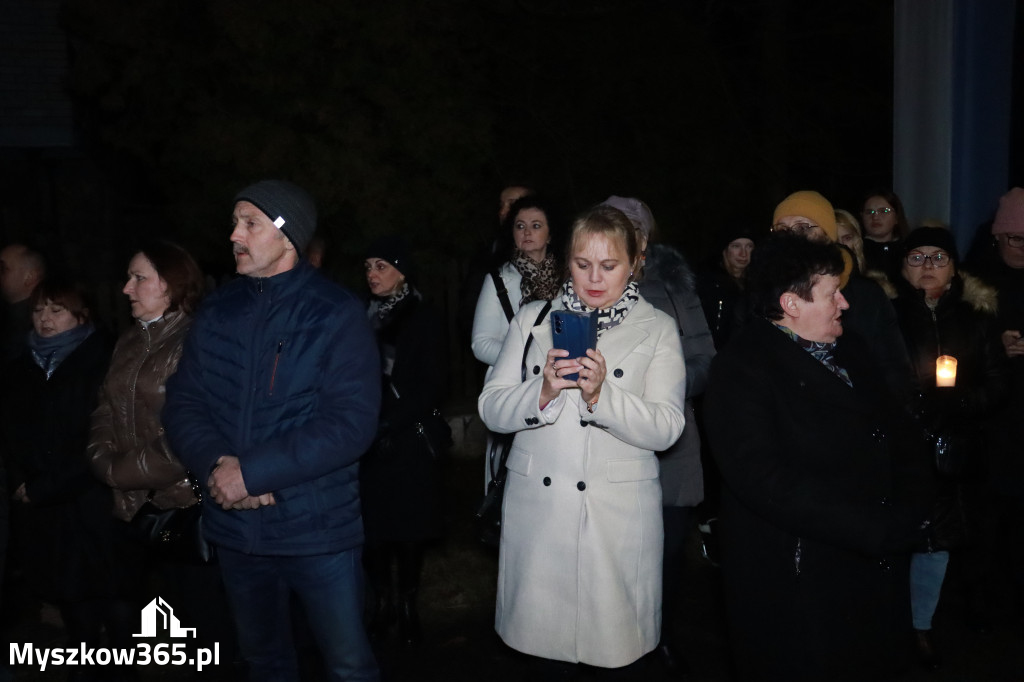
pixel 399 483
pixel 944 312
pixel 816 519
pixel 62 532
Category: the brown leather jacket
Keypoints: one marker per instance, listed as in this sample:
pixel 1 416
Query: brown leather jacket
pixel 127 448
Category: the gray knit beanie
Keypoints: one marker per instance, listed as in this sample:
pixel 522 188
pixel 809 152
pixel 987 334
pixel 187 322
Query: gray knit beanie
pixel 635 210
pixel 289 206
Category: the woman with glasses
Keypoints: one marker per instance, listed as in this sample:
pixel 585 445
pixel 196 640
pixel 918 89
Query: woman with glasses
pixel 885 225
pixel 942 311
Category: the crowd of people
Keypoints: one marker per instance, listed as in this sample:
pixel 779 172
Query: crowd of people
pixel 789 395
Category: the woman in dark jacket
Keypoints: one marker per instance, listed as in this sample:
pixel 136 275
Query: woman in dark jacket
pixel 720 280
pixel 885 226
pixel 399 475
pixel 944 312
pixel 61 514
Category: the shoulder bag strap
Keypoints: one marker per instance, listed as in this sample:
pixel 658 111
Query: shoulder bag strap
pixel 529 339
pixel 506 304
pixel 506 445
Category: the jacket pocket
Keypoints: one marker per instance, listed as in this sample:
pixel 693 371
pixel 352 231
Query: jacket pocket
pixel 519 462
pixel 627 470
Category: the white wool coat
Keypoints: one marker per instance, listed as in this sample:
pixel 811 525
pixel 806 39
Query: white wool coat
pixel 581 548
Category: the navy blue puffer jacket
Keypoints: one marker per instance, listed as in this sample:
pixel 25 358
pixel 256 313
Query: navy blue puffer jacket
pixel 283 373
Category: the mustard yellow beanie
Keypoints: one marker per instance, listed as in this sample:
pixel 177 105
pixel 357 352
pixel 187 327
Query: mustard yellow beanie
pixel 812 206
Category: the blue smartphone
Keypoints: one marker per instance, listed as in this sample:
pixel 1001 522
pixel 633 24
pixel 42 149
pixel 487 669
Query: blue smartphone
pixel 574 332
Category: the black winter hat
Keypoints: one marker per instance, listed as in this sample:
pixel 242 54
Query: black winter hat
pixel 730 231
pixel 289 206
pixel 394 250
pixel 938 237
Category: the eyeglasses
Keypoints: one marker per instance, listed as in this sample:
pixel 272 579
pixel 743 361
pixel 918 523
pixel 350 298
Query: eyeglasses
pixel 874 211
pixel 1014 240
pixel 799 228
pixel 940 259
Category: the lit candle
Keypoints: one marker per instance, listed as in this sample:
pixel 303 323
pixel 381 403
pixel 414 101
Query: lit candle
pixel 945 371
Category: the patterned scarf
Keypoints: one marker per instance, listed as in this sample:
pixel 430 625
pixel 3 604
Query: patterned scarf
pixel 606 317
pixel 540 280
pixel 391 301
pixel 822 352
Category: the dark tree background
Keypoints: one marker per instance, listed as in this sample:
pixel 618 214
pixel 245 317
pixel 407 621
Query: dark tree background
pixel 409 115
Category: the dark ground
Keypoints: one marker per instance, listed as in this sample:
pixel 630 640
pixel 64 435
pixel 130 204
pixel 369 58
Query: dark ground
pixel 460 644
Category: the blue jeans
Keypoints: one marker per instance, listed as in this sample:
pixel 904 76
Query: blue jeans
pixel 330 587
pixel 927 571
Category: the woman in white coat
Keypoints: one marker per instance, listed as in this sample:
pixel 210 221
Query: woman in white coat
pixel 531 273
pixel 581 548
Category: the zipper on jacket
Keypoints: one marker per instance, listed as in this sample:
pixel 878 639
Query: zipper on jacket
pixel 935 328
pixel 797 555
pixel 273 372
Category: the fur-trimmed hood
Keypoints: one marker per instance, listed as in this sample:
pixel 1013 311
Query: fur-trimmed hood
pixel 666 265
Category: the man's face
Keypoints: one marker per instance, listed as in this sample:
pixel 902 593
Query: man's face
pixel 1011 249
pixel 12 275
pixel 261 250
pixel 509 196
pixel 805 227
pixel 818 319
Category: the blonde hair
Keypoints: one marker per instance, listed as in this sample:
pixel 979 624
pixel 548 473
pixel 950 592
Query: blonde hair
pixel 614 225
pixel 846 219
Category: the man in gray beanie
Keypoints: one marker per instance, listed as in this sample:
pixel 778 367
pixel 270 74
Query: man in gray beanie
pixel 274 402
pixel 290 209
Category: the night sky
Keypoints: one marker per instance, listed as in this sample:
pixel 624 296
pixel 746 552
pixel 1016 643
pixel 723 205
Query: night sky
pixel 409 116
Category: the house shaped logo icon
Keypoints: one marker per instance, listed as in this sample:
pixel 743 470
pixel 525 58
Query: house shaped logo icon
pixel 158 616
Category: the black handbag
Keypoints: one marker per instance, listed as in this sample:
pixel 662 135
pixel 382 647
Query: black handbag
pixel 488 512
pixel 174 535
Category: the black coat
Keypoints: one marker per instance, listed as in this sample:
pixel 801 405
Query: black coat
pixel 816 495
pixel 871 316
pixel 62 537
pixel 962 325
pixel 399 474
pixel 722 300
pixel 1006 473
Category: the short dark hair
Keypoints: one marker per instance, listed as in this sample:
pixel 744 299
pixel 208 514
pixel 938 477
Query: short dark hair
pixel 71 295
pixel 788 262
pixel 176 266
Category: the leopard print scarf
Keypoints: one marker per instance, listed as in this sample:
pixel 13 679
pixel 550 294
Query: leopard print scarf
pixel 540 280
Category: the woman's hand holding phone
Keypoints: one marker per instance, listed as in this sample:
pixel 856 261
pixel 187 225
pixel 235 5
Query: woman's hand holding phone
pixel 558 364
